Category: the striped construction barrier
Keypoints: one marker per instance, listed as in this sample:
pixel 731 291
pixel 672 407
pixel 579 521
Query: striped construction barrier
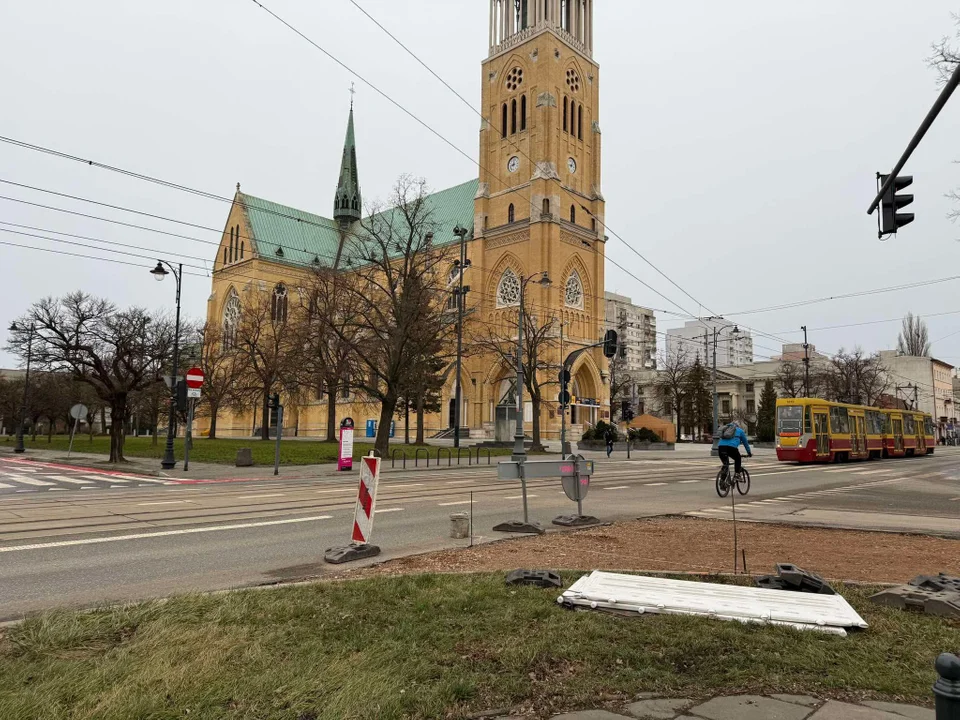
pixel 360 546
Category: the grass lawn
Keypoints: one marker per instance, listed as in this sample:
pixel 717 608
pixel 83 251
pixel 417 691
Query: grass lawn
pixel 430 646
pixel 292 452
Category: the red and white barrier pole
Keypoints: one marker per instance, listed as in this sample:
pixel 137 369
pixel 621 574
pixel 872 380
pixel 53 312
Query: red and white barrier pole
pixel 360 546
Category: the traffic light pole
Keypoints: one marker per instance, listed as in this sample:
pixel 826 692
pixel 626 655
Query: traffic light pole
pixel 564 448
pixel 918 136
pixel 806 363
pixel 609 345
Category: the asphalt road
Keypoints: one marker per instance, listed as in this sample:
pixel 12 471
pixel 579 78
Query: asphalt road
pixel 94 537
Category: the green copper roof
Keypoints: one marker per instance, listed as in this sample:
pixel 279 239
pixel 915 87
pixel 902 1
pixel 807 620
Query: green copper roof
pixel 348 204
pixel 293 237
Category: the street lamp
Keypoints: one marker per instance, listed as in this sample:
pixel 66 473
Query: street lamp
pixel 14 327
pixel 716 402
pixel 519 452
pixel 159 273
pixel 462 264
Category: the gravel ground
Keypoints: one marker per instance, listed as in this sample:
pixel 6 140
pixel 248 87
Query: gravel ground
pixel 704 546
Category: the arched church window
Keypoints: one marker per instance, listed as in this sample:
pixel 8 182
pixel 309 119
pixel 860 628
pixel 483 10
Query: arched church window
pixel 566 104
pixel 573 213
pixel 511 213
pixel 580 122
pixel 224 256
pixel 233 251
pixel 505 128
pixel 546 206
pixel 231 320
pixel 508 291
pixel 278 305
pixel 523 112
pixel 241 249
pixel 573 296
pixel 513 116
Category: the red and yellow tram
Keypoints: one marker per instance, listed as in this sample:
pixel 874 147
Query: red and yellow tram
pixel 812 430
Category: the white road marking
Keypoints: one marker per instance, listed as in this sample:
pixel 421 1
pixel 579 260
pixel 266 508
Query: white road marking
pixel 653 484
pixel 618 487
pixel 386 510
pixel 687 482
pixel 29 480
pixel 517 497
pixel 103 478
pixel 395 487
pixel 836 470
pixel 164 502
pixel 71 480
pixel 331 492
pixel 459 482
pixel 451 504
pixel 163 533
pixel 254 497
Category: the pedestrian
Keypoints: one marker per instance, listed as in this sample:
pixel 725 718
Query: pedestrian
pixel 611 437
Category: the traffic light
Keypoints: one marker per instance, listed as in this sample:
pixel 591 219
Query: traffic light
pixel 181 396
pixel 564 397
pixel 610 344
pixel 626 413
pixel 275 401
pixel 890 203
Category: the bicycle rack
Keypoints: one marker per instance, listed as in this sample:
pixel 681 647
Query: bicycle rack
pixel 449 456
pixel 416 458
pixel 393 458
pixel 488 455
pixel 469 456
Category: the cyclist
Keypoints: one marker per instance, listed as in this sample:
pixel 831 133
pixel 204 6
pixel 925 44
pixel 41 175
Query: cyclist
pixel 731 436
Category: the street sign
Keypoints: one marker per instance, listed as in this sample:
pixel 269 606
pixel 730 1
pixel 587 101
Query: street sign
pixel 193 392
pixel 194 379
pixel 79 411
pixel 345 456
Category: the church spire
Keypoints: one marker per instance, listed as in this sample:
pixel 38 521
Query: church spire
pixel 347 203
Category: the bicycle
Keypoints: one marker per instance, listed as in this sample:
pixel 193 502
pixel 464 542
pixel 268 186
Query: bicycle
pixel 725 482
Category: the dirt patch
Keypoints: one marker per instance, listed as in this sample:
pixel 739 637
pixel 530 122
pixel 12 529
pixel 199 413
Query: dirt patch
pixel 693 545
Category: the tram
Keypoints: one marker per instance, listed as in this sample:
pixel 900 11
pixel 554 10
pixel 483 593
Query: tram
pixel 811 430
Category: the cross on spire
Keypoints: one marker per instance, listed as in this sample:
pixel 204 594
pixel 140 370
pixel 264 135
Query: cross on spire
pixel 352 93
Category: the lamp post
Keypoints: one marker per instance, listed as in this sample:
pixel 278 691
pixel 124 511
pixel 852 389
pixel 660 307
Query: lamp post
pixel 519 451
pixel 716 397
pixel 461 265
pixel 14 327
pixel 159 273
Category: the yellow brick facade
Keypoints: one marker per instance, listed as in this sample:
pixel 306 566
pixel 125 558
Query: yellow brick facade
pixel 538 207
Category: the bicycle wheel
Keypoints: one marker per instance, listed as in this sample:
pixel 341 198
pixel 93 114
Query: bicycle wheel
pixel 723 488
pixel 743 482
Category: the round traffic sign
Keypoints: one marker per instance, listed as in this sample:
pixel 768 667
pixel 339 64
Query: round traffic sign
pixel 194 378
pixel 79 411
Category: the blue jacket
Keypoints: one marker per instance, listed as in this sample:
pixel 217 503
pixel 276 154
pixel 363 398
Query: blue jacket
pixel 740 437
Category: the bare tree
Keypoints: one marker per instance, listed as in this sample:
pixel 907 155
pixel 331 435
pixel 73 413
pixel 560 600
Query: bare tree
pixel 540 336
pixel 671 385
pixel 621 381
pixel 219 379
pixel 397 291
pixel 855 378
pixel 114 351
pixel 914 337
pixel 265 343
pixel 790 378
pixel 944 60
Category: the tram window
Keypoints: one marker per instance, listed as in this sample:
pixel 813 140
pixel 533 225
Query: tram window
pixel 807 422
pixel 835 419
pixel 886 424
pixel 789 418
pixel 909 425
pixel 844 421
pixel 928 426
pixel 877 420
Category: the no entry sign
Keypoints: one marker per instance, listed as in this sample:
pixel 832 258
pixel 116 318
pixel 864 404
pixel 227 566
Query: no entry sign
pixel 195 378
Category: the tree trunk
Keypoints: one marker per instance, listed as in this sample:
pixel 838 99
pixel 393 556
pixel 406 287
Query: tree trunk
pixel 49 431
pixel 33 429
pixel 331 414
pixel 387 408
pixel 535 445
pixel 420 414
pixel 214 408
pixel 155 420
pixel 118 416
pixel 265 416
pixel 406 422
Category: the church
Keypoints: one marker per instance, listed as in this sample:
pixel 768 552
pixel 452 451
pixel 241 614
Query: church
pixel 536 206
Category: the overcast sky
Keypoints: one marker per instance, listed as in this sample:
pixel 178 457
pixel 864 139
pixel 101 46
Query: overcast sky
pixel 740 142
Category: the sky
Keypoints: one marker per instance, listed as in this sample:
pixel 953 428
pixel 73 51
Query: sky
pixel 741 142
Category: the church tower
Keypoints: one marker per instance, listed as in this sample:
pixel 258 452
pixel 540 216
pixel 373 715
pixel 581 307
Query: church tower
pixel 539 205
pixel 347 203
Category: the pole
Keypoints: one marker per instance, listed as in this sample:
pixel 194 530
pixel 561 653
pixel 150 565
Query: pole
pixel 19 448
pixel 459 401
pixel 76 421
pixel 941 101
pixel 716 397
pixel 189 436
pixel 519 452
pixel 169 461
pixel 563 406
pixel 806 363
pixel 276 452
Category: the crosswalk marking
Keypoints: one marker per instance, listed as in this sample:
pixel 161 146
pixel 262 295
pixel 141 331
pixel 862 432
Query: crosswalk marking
pixel 29 481
pixel 4 485
pixel 101 478
pixel 71 480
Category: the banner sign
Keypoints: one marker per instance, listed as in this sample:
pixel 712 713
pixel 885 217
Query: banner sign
pixel 345 458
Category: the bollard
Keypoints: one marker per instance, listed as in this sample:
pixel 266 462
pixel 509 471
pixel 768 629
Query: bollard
pixel 947 687
pixel 459 525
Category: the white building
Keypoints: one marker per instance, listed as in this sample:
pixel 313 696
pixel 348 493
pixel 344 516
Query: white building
pixel 924 383
pixel 695 338
pixel 637 330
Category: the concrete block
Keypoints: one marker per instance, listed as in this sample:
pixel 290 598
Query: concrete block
pixel 590 715
pixel 750 707
pixel 805 700
pixel 244 457
pixel 909 711
pixel 844 711
pixel 660 709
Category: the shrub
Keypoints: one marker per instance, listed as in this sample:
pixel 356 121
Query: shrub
pixel 644 435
